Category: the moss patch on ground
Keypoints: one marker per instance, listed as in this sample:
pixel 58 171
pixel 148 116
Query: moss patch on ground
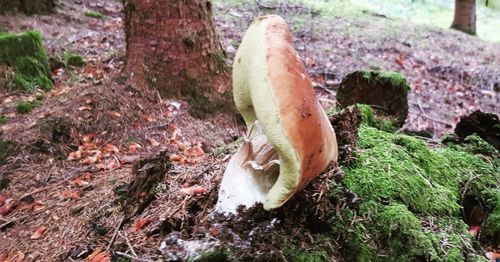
pixel 413 194
pixel 72 59
pixel 94 14
pixel 7 148
pixel 26 54
pixel 26 106
pixel 371 119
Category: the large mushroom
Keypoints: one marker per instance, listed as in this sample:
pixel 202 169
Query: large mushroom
pixel 289 139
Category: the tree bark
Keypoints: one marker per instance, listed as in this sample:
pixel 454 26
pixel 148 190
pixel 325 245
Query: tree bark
pixel 465 16
pixel 172 46
pixel 28 6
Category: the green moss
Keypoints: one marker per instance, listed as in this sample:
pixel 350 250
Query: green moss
pixel 4 119
pixel 7 148
pixel 491 226
pixel 397 225
pixel 219 255
pixel 369 118
pixel 295 253
pixel 229 148
pixel 72 59
pixel 476 145
pixel 26 106
pixel 30 74
pixel 13 46
pixel 94 14
pixel 26 54
pixel 394 79
pixel 411 194
pixel 402 168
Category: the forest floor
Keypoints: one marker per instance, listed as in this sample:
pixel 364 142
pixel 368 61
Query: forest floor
pixel 66 209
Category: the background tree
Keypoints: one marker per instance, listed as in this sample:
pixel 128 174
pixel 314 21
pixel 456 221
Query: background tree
pixel 465 16
pixel 28 6
pixel 172 46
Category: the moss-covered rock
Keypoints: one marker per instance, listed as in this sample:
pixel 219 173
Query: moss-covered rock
pixel 30 73
pixel 412 199
pixel 387 91
pixel 26 54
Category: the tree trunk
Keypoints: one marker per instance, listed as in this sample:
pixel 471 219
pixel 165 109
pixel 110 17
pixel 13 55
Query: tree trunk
pixel 465 16
pixel 28 6
pixel 172 46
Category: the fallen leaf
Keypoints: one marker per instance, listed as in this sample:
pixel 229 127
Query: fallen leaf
pixel 8 99
pixel 400 61
pixel 36 206
pixel 148 118
pixel 5 210
pixel 39 232
pixel 111 148
pixel 88 160
pixel 79 182
pixel 88 137
pixel 98 256
pixel 141 223
pixel 129 159
pixel 75 155
pixel 196 150
pixel 85 108
pixel 114 114
pixel 176 157
pixel 153 142
pixel 193 190
pixel 71 194
pixel 133 146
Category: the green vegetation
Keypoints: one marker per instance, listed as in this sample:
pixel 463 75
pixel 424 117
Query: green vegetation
pixel 7 148
pixel 94 14
pixel 371 119
pixel 405 185
pixel 476 145
pixel 213 256
pixel 437 13
pixel 394 79
pixel 228 148
pixel 295 253
pixel 29 74
pixel 26 106
pixel 26 54
pixel 4 119
pixel 72 59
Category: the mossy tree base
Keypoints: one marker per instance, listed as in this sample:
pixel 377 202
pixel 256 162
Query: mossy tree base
pixel 28 6
pixel 386 91
pixel 26 54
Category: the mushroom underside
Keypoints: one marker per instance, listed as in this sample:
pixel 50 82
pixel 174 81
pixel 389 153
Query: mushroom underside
pixel 250 174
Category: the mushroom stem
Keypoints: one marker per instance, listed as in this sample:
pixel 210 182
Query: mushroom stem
pixel 250 173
